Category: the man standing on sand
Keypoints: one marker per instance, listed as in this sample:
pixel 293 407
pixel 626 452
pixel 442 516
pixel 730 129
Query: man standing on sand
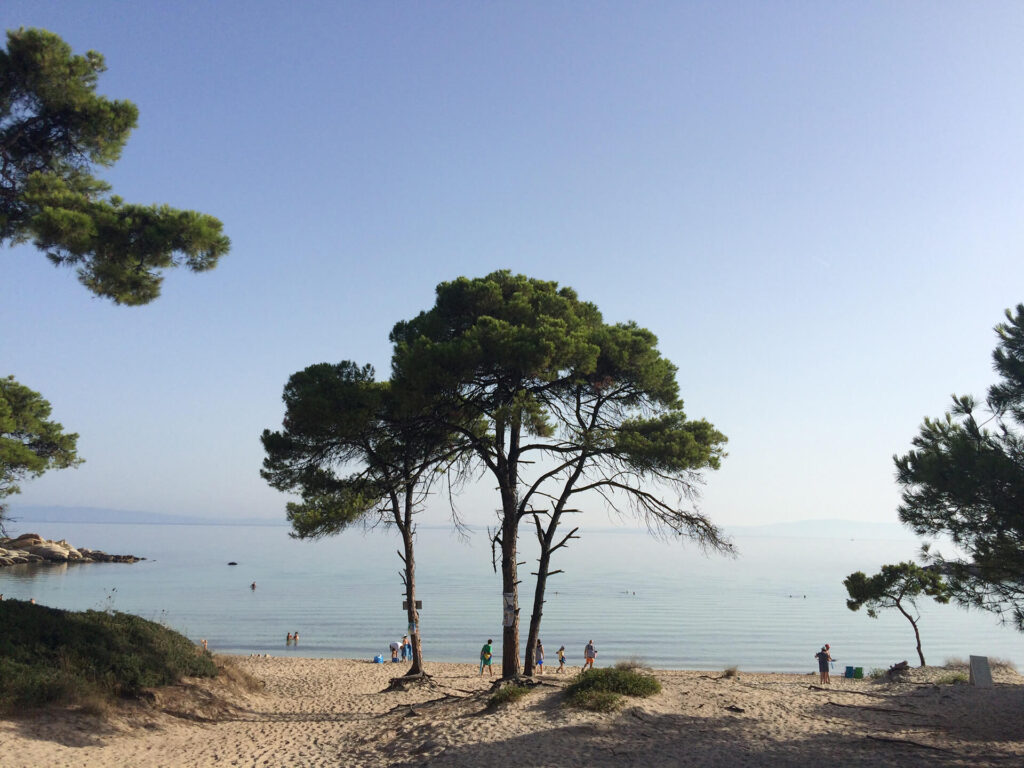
pixel 824 657
pixel 405 645
pixel 589 654
pixel 485 657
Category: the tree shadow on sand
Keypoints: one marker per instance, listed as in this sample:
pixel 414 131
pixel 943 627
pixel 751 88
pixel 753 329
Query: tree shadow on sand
pixel 636 737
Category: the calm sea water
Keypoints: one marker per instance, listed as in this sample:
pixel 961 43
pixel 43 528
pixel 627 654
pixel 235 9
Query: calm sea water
pixel 769 609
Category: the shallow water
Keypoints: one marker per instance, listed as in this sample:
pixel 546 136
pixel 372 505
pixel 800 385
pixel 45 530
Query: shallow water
pixel 769 609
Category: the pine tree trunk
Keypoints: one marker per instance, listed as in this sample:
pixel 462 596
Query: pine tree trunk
pixel 538 605
pixel 917 635
pixel 412 613
pixel 510 585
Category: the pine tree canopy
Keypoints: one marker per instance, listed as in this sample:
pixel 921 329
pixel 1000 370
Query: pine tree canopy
pixel 964 478
pixel 55 132
pixel 30 444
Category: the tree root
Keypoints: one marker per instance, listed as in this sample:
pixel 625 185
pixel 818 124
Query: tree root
pixel 878 709
pixel 405 682
pixel 844 691
pixel 910 743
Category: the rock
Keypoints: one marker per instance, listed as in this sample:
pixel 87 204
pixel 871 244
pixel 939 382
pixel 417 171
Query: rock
pixel 33 548
pixel 26 540
pixel 50 551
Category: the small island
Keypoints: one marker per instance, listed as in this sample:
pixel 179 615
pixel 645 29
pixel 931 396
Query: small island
pixel 33 548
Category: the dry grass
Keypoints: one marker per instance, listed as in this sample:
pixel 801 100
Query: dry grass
pixel 634 663
pixel 230 672
pixel 955 662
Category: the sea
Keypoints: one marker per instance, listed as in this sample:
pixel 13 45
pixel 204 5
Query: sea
pixel 664 603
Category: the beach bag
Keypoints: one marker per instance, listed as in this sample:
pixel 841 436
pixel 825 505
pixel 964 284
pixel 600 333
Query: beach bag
pixel 378 659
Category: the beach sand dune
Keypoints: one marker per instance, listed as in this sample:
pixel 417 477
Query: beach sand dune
pixel 335 712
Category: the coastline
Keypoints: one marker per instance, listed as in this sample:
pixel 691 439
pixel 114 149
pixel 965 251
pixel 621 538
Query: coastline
pixel 320 712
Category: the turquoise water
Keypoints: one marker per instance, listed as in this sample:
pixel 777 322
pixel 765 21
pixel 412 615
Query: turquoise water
pixel 769 609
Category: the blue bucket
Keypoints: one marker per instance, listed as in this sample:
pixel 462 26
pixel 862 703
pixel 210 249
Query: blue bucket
pixel 849 672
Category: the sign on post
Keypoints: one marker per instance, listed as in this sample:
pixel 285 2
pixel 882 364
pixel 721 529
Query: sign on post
pixel 405 605
pixel 981 673
pixel 509 614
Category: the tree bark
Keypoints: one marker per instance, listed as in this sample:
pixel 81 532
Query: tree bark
pixel 544 563
pixel 538 602
pixel 917 635
pixel 510 585
pixel 412 613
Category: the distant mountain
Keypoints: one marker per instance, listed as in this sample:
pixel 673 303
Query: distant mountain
pixel 825 529
pixel 28 514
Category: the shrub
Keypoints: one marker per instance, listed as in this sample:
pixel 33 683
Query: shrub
pixel 953 678
pixel 70 657
pixel 878 673
pixel 635 663
pixel 507 694
pixel 601 690
pixel 732 671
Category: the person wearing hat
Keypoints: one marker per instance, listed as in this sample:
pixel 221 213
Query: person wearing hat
pixel 824 657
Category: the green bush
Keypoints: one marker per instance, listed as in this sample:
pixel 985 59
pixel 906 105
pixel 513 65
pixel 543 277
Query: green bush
pixel 67 657
pixel 953 678
pixel 601 690
pixel 878 673
pixel 507 694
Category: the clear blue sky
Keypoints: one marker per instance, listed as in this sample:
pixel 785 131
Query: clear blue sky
pixel 817 207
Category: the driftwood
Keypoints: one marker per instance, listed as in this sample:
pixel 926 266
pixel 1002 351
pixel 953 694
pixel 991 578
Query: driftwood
pixel 898 669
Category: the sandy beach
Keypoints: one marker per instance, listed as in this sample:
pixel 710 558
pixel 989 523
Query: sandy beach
pixel 336 712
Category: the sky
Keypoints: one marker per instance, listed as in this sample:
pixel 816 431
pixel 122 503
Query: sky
pixel 818 208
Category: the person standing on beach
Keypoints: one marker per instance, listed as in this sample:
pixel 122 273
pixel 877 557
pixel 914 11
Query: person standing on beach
pixel 589 654
pixel 539 657
pixel 561 659
pixel 485 657
pixel 394 652
pixel 405 646
pixel 824 657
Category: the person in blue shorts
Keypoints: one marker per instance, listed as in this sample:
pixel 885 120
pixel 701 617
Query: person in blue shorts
pixel 539 657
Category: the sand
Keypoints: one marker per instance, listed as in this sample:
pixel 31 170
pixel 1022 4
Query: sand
pixel 334 712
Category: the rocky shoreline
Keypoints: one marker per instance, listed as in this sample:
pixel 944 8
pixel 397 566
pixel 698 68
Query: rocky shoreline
pixel 33 548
